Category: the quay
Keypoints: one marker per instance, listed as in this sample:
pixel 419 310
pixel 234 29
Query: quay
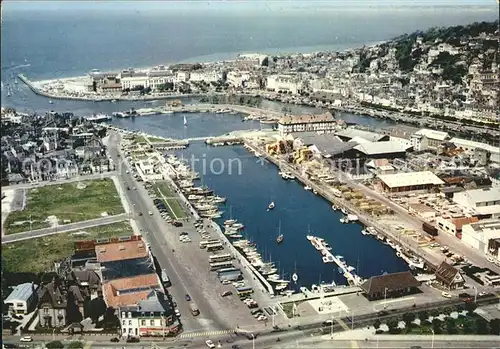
pixel 363 217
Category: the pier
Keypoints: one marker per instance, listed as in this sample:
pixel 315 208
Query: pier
pixel 364 219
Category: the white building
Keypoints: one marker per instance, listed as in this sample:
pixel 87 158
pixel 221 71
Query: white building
pixel 205 75
pixel 288 83
pixel 305 123
pixel 22 298
pixel 151 317
pixel 182 76
pixel 483 236
pixel 480 201
pixel 158 77
pixel 237 78
pixel 130 79
pixel 470 146
pixel 428 139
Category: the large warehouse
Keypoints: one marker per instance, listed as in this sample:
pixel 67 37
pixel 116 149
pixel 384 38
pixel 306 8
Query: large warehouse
pixel 401 182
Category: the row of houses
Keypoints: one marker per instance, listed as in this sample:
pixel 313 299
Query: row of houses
pixel 120 271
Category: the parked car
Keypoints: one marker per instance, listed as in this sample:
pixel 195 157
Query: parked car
pixel 133 340
pixel 26 339
pixel 115 339
pixel 177 313
pixel 210 344
pixel 446 295
pixel 187 298
pixel 226 293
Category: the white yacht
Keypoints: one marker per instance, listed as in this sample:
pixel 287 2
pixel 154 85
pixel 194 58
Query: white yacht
pixel 271 206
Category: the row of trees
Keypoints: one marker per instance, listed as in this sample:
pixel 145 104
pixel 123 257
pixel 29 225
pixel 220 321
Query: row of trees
pixel 472 323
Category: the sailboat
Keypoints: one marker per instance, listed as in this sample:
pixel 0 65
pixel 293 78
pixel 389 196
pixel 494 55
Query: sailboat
pixel 271 206
pixel 295 277
pixel 230 221
pixel 185 121
pixel 280 237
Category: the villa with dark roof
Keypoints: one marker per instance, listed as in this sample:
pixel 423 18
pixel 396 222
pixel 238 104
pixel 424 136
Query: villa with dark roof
pixel 390 285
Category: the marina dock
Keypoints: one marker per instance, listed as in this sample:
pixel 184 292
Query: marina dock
pixel 328 194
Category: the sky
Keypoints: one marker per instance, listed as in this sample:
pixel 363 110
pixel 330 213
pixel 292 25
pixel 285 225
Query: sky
pixel 270 5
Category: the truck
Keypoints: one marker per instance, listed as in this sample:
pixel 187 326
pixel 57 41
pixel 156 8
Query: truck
pixel 430 229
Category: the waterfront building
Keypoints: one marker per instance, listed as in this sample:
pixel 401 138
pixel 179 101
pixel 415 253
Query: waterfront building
pixel 379 150
pixel 483 202
pixel 351 133
pixel 284 83
pixel 131 79
pixel 237 78
pixel 454 225
pixel 449 277
pixel 205 75
pixel 307 123
pixel 483 236
pixel 470 146
pixel 152 316
pixel 22 298
pixel 401 182
pixel 390 286
pixel 428 139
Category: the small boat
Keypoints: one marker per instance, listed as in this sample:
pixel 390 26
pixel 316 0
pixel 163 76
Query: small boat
pixel 230 221
pixel 310 237
pixel 295 277
pixel 335 208
pixel 315 192
pixel 344 220
pixel 307 187
pixel 364 232
pixel 237 226
pixel 185 121
pixel 352 217
pixel 50 102
pixel 271 206
pixel 281 287
pixel 113 101
pixel 280 237
pixel 343 210
pixel 236 236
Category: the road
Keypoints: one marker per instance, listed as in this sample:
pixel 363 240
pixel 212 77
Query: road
pixel 161 236
pixel 63 228
pixel 59 181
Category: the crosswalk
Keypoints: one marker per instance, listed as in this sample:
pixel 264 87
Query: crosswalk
pixel 205 334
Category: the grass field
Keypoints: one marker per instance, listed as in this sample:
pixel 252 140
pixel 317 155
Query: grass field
pixel 38 255
pixel 172 201
pixel 153 139
pixel 68 202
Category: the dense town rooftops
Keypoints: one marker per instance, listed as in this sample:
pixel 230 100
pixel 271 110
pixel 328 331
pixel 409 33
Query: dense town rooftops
pixel 410 179
pixel 121 251
pixel 351 133
pixel 374 148
pixel 433 134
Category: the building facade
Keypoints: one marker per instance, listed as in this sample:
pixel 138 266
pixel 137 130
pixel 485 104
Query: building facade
pixel 307 123
pixel 22 298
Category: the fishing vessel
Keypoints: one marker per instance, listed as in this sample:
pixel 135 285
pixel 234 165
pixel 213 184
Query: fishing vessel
pixel 271 206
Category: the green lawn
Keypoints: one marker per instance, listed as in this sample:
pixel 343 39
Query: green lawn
pixel 140 139
pixel 288 308
pixel 155 139
pixel 172 200
pixel 69 202
pixel 38 255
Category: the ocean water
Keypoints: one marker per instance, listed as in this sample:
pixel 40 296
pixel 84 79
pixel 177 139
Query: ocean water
pixel 59 39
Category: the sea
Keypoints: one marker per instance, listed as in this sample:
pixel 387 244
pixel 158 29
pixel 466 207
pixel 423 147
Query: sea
pixel 47 40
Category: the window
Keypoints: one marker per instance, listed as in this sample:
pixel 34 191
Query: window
pixel 45 310
pixel 130 322
pixel 19 305
pixel 123 322
pixel 129 315
pixel 152 322
pixel 143 322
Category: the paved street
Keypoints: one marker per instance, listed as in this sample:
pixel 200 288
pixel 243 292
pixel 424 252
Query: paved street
pixel 63 228
pixel 185 267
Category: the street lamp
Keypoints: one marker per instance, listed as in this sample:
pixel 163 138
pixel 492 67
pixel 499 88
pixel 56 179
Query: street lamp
pixel 253 341
pixel 331 329
pixel 475 294
pixel 385 297
pixel 54 335
pixel 432 342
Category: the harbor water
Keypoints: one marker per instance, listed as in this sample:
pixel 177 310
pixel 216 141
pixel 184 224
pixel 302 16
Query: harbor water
pixel 250 185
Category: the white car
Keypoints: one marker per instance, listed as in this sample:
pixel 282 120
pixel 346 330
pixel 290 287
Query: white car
pixel 210 344
pixel 490 259
pixel 26 339
pixel 177 313
pixel 446 295
pixel 150 213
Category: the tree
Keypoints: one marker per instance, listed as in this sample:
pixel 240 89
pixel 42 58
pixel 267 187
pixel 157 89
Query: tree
pixel 54 345
pixel 423 315
pixel 470 307
pixel 408 318
pixel 467 327
pixel 451 326
pixel 393 325
pixel 75 345
pixel 265 62
pixel 481 326
pixel 495 326
pixel 377 324
pixel 436 326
